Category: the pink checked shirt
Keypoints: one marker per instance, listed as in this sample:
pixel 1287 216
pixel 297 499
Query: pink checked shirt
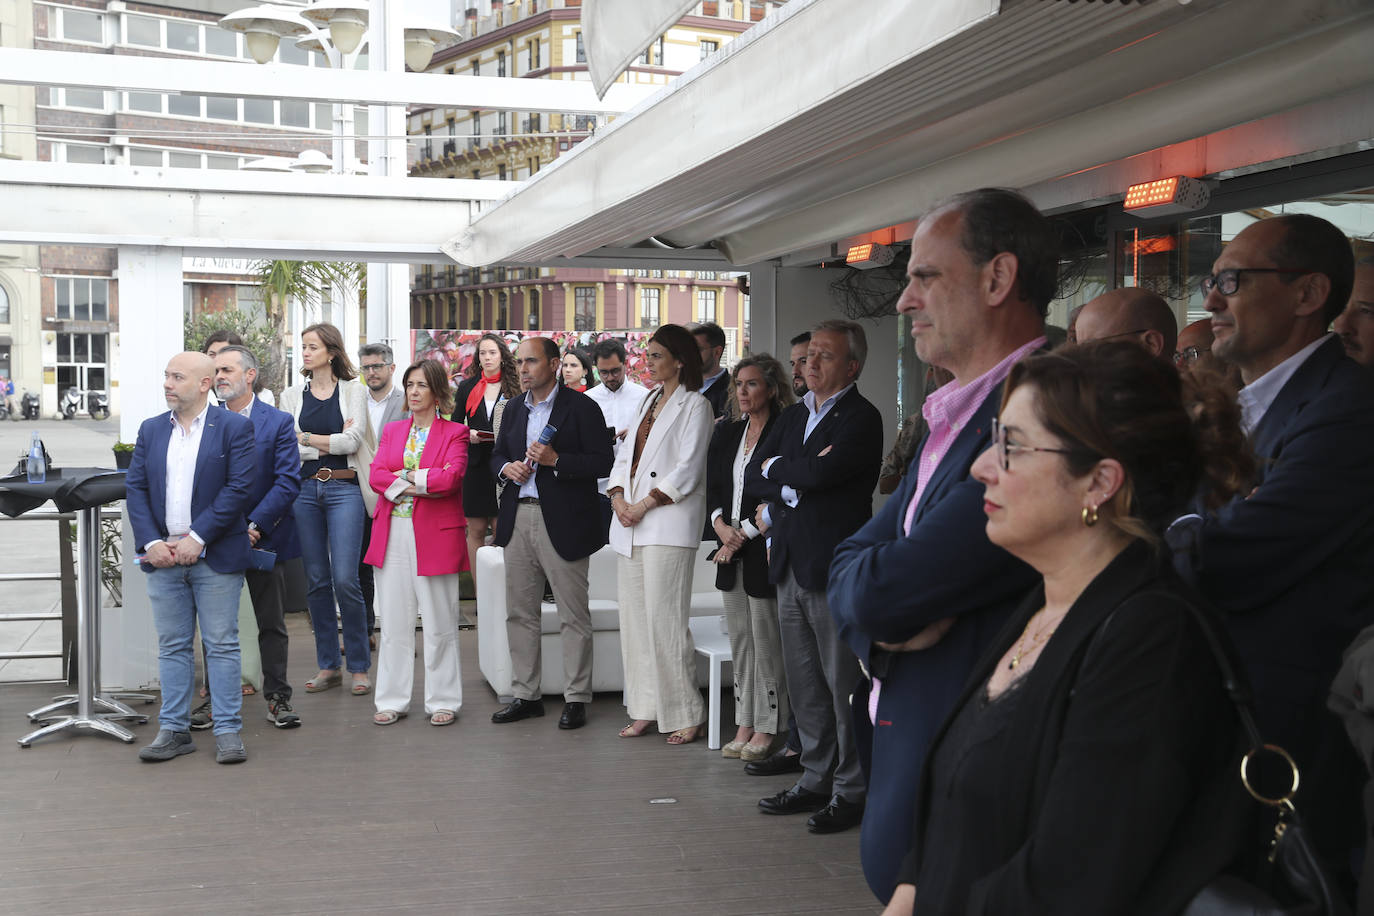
pixel 948 410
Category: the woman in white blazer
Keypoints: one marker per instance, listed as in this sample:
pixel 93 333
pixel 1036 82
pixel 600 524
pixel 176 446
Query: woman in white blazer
pixel 330 409
pixel 658 493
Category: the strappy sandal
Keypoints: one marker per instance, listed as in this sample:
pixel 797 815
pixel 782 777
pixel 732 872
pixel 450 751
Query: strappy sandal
pixel 685 735
pixel 387 717
pixel 443 717
pixel 630 731
pixel 361 687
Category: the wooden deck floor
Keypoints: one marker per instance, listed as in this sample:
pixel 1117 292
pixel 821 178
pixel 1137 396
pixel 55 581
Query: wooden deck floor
pixel 340 816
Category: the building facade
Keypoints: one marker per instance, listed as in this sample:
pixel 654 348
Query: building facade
pixel 21 331
pixel 542 39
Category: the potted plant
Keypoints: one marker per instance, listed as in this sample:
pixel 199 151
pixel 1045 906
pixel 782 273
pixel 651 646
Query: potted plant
pixel 123 453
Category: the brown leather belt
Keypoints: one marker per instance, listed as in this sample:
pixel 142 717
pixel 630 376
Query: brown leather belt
pixel 332 474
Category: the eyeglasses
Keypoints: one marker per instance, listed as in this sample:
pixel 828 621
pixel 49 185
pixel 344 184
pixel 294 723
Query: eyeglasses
pixel 1189 355
pixel 1005 448
pixel 1226 282
pixel 375 367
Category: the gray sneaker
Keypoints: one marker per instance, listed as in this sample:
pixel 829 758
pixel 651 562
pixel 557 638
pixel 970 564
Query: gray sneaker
pixel 200 718
pixel 229 748
pixel 280 714
pixel 166 745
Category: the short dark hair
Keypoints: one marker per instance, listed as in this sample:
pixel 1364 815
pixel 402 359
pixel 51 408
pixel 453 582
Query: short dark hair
pixel 377 349
pixel 714 333
pixel 246 358
pixel 1312 244
pixel 803 337
pixel 436 376
pixel 223 335
pixel 550 348
pixel 680 342
pixel 997 220
pixel 609 347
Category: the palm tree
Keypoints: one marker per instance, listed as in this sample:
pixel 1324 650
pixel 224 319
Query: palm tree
pixel 308 282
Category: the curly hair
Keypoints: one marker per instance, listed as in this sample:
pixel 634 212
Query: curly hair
pixel 510 379
pixel 779 380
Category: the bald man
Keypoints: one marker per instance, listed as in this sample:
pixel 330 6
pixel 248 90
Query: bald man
pixel 1130 312
pixel 188 489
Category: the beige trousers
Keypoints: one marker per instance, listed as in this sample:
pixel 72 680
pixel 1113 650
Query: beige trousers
pixel 756 651
pixel 655 593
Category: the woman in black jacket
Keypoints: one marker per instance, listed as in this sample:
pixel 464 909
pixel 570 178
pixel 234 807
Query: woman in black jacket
pixel 1089 766
pixel 491 380
pixel 760 391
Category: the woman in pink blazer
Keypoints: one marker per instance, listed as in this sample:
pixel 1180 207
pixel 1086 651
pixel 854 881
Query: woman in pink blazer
pixel 419 546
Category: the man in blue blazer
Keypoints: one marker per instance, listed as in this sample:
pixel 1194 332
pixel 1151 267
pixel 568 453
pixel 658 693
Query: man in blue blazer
pixel 550 524
pixel 816 471
pixel 188 488
pixel 1292 564
pixel 271 521
pixel 920 591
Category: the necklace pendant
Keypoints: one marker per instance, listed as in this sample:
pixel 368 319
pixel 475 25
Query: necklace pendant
pixel 1015 660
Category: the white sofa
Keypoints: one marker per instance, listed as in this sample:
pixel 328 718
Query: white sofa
pixel 493 651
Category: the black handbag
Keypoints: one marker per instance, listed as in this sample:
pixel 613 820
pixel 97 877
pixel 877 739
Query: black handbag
pixel 1292 880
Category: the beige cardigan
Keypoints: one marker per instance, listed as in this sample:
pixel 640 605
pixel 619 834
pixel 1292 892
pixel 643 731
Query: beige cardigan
pixel 357 441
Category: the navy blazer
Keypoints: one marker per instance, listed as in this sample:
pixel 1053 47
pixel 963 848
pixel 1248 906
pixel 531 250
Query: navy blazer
pixel 752 559
pixel 276 480
pixel 836 488
pixel 219 497
pixel 1292 563
pixel 568 496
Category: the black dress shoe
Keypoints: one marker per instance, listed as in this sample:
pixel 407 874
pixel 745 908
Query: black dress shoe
pixel 779 763
pixel 574 715
pixel 517 710
pixel 836 816
pixel 795 800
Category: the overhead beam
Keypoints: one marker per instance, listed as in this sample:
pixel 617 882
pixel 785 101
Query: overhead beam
pixel 28 67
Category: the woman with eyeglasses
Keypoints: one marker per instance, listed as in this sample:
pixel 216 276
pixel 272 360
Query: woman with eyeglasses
pixel 1089 765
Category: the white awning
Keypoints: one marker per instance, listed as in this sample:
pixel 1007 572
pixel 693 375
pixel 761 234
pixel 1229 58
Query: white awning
pixel 830 118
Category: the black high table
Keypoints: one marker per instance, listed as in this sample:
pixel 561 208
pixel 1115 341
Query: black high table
pixel 83 491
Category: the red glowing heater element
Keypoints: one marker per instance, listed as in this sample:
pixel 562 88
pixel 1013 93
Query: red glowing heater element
pixel 869 254
pixel 1179 194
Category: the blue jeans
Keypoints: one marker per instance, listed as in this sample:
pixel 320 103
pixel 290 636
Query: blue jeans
pixel 180 596
pixel 329 520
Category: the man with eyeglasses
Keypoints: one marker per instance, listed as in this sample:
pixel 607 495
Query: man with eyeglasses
pixel 385 404
pixel 618 397
pixel 1291 563
pixel 919 591
pixel 1130 313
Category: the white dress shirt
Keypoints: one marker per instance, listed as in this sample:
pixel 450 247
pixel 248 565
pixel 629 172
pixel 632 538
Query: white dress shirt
pixel 1256 397
pixel 619 407
pixel 183 447
pixel 375 411
pixel 538 419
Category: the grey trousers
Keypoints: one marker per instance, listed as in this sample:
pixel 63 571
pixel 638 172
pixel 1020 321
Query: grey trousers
pixel 530 558
pixel 821 674
pixel 756 652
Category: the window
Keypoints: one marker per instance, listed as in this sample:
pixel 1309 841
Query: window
pixel 187 105
pixel 502 312
pixel 184 160
pixel 295 113
pixel 143 30
pixel 476 67
pixel 706 275
pixel 708 48
pixel 183 36
pixel 706 305
pixel 82 299
pixel 84 98
pixel 534 54
pixel 581 50
pixel 648 308
pixel 221 107
pixel 88 155
pixel 532 297
pixel 220 42
pixel 584 308
pixel 427 148
pixel 143 101
pixel 500 125
pixel 653 55
pixel 78 25
pixel 501 172
pixel 152 157
pixel 4 306
pixel 259 111
pixel 500 63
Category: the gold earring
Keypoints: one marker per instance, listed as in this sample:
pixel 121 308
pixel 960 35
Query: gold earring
pixel 1089 516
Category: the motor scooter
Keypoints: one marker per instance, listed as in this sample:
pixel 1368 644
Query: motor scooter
pixel 29 405
pixel 96 403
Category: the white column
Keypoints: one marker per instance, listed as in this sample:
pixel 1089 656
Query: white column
pixel 150 323
pixel 388 285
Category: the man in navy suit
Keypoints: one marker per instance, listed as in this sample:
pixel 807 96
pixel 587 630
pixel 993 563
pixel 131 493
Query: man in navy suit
pixel 1291 563
pixel 919 591
pixel 550 524
pixel 816 471
pixel 271 522
pixel 188 486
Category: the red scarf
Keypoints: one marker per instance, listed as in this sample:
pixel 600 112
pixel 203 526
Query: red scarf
pixel 480 389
